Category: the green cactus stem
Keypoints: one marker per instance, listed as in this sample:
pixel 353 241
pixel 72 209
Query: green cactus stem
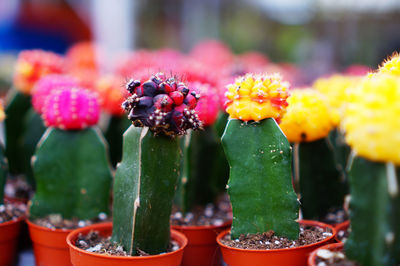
pixel 32 132
pixel 16 110
pixel 204 171
pixel 144 189
pixel 375 213
pixel 322 187
pixel 341 151
pixel 72 173
pixel 260 182
pixel 3 173
pixel 113 134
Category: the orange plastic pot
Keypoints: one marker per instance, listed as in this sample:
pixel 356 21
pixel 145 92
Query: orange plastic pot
pixel 341 227
pixel 80 257
pixel 16 200
pixel 49 245
pixel 312 259
pixel 202 248
pixel 288 256
pixel 9 232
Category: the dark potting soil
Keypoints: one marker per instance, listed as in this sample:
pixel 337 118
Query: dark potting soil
pixel 326 257
pixel 335 217
pixel 17 187
pixel 93 242
pixel 11 211
pixel 55 221
pixel 203 215
pixel 268 240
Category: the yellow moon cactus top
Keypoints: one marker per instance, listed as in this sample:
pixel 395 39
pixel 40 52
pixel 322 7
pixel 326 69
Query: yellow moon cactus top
pixel 336 89
pixel 308 116
pixel 391 66
pixel 371 120
pixel 257 97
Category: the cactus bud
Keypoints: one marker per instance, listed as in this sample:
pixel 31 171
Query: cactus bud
pixel 168 114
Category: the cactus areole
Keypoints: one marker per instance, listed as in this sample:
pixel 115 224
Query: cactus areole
pixel 259 155
pixel 160 109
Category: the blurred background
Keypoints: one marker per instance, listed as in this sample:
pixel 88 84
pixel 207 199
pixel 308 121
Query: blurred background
pixel 319 36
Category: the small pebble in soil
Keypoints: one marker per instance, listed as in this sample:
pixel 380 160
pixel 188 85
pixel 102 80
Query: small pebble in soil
pixel 94 242
pixel 326 257
pixel 208 215
pixel 11 211
pixel 269 240
pixel 56 221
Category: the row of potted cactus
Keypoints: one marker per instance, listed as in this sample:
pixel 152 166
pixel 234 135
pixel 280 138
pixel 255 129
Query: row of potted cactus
pixel 164 160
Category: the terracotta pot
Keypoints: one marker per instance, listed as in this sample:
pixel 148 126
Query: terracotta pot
pixel 16 200
pixel 84 258
pixel 49 245
pixel 332 247
pixel 288 256
pixel 341 227
pixel 202 248
pixel 9 232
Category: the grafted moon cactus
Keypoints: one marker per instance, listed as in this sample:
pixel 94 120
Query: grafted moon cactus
pixel 372 130
pixel 70 165
pixel 31 65
pixel 160 109
pixel 260 158
pixel 306 124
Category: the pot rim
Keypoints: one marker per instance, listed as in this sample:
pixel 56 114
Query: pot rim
pixel 304 222
pixel 200 227
pixel 43 228
pixel 19 219
pixel 75 232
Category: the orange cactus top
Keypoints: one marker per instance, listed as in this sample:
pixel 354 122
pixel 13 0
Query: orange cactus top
pixel 257 97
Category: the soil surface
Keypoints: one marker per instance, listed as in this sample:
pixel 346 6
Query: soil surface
pixel 211 214
pixel 17 187
pixel 326 257
pixel 55 221
pixel 335 217
pixel 93 242
pixel 11 211
pixel 268 240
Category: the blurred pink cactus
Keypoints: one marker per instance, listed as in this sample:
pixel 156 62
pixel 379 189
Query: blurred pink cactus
pixel 71 109
pixel 208 106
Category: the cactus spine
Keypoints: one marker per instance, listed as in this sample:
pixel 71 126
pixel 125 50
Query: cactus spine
pixel 144 189
pixel 375 213
pixel 72 174
pixel 259 156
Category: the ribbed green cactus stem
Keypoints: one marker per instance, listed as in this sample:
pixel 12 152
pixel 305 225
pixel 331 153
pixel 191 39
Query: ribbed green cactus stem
pixel 260 181
pixel 116 128
pixel 3 173
pixel 72 173
pixel 33 130
pixel 322 187
pixel 203 166
pixel 144 189
pixel 17 107
pixel 341 151
pixel 374 213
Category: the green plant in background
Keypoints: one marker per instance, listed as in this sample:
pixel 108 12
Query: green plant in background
pixel 70 165
pixel 160 110
pixel 30 67
pixel 259 156
pixel 204 168
pixel 371 124
pixel 307 124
